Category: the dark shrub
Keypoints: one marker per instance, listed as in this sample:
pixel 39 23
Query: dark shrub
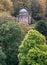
pixel 41 26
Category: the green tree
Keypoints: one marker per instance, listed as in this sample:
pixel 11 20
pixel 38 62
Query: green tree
pixel 32 50
pixel 41 26
pixel 11 35
pixel 37 56
pixel 2 57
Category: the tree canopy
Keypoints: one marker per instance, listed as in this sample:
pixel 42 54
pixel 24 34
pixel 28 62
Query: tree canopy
pixel 32 50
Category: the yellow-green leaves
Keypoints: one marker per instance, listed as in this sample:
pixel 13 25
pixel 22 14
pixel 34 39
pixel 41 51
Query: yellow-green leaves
pixel 33 49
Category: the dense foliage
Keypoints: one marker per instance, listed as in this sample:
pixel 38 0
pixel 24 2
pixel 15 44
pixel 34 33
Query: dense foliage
pixel 11 36
pixel 2 57
pixel 38 8
pixel 24 26
pixel 41 26
pixel 32 50
pixel 6 5
pixel 4 18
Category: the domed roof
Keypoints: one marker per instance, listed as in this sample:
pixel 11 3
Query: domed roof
pixel 23 10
